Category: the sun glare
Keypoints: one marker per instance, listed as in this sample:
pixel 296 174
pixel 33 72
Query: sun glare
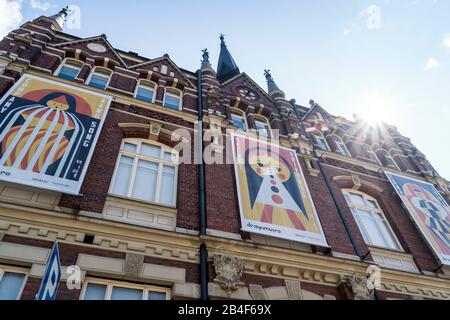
pixel 376 108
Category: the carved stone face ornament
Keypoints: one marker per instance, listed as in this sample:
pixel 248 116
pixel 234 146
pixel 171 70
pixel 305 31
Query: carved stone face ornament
pixel 229 271
pixel 359 286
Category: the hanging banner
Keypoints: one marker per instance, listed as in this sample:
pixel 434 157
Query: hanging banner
pixel 48 133
pixel 429 211
pixel 273 196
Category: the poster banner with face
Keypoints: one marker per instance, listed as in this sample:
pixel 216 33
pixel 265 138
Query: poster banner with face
pixel 48 132
pixel 273 196
pixel 429 211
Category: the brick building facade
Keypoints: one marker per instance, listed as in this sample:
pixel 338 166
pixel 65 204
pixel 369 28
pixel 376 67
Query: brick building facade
pixel 185 242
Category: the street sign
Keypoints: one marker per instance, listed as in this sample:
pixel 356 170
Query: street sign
pixel 52 276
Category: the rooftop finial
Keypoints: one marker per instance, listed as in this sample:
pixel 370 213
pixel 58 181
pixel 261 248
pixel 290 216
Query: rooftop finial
pixel 205 61
pixel 61 16
pixel 222 39
pixel 272 86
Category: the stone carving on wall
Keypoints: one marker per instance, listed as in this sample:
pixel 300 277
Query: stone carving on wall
pixel 229 271
pixel 358 284
pixel 133 264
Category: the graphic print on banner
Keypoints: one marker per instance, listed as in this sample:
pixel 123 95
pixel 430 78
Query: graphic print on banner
pixel 48 132
pixel 273 196
pixel 429 211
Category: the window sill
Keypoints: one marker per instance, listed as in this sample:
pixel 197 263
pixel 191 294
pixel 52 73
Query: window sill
pixel 393 259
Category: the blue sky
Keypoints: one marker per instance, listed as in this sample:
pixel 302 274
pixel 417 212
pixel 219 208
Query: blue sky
pixel 387 59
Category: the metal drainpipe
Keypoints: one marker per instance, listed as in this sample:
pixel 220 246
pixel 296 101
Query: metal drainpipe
pixel 202 196
pixel 333 195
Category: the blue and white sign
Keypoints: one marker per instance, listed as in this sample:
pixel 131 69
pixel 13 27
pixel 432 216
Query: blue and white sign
pixel 52 276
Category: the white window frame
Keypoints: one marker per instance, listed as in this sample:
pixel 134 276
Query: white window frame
pixel 241 115
pixel 110 284
pixel 319 116
pixel 341 147
pixel 147 85
pixel 370 150
pixel 136 157
pixel 4 269
pixel 67 63
pixel 105 73
pixel 318 135
pixel 179 96
pixel 265 121
pixel 373 211
pixel 391 158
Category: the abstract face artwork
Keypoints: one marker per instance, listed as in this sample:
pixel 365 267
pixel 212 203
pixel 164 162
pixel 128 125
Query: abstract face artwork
pixel 48 132
pixel 429 211
pixel 274 197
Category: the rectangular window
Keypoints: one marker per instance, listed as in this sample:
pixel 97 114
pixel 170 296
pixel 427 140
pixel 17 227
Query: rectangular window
pixel 146 172
pixel 172 101
pixel 99 81
pixel 239 122
pixel 342 149
pixel 262 128
pixel 11 285
pixel 145 93
pixel 112 290
pixel 321 143
pixel 69 72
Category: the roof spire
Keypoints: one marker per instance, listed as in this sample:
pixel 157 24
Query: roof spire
pixel 61 16
pixel 273 89
pixel 226 68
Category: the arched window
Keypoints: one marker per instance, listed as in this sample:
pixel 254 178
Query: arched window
pixel 145 91
pixel 371 221
pixel 69 69
pixel 320 141
pixel 386 159
pixel 369 153
pixel 340 146
pixel 263 126
pixel 146 171
pixel 172 99
pixel 238 119
pixel 99 78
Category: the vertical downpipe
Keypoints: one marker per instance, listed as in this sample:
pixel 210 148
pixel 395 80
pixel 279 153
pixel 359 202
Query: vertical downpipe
pixel 202 196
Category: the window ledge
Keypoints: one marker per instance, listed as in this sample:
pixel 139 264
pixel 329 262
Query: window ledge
pixel 394 259
pixel 140 213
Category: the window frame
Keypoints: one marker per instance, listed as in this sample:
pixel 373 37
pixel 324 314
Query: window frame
pixel 179 96
pixel 373 211
pixel 105 73
pixel 265 121
pixel 241 115
pixel 372 152
pixel 110 284
pixel 148 85
pixel 161 162
pixel 25 273
pixel 390 158
pixel 339 142
pixel 69 63
pixel 317 135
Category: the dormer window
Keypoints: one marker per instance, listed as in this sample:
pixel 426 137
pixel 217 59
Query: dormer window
pixel 370 154
pixel 99 78
pixel 263 127
pixel 340 146
pixel 321 142
pixel 145 91
pixel 172 99
pixel 238 120
pixel 319 116
pixel 70 69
